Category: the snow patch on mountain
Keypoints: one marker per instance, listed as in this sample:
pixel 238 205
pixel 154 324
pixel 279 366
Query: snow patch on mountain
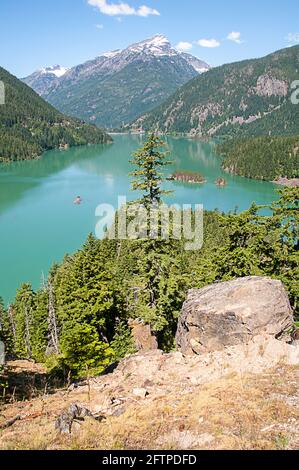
pixel 56 70
pixel 111 54
pixel 199 65
pixel 157 46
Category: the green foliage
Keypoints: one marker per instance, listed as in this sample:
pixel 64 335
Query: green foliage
pixel 6 332
pixel 84 301
pixel 83 353
pixel 29 125
pixel 23 308
pixel 83 289
pixel 122 343
pixel 264 245
pixel 285 225
pixel 266 158
pixel 149 161
pixel 39 326
pixel 152 286
pixel 154 293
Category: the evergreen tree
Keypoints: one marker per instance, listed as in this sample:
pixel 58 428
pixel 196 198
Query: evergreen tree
pixel 6 330
pixel 22 313
pixel 154 291
pixel 83 352
pixel 123 343
pixel 148 178
pixel 85 308
pixel 285 225
pixel 39 326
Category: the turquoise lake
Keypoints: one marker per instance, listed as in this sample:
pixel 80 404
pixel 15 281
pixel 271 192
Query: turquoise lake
pixel 39 223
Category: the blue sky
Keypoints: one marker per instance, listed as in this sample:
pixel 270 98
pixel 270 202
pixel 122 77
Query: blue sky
pixel 35 33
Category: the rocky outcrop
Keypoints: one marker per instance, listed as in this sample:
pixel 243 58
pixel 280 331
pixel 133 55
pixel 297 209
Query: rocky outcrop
pixel 232 313
pixel 142 336
pixel 65 420
pixel 289 182
pixel 270 86
pixel 156 369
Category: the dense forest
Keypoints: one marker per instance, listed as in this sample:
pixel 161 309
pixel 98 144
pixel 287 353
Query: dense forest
pixel 265 158
pixel 29 125
pixel 77 322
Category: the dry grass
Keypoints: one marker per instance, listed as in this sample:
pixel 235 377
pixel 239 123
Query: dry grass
pixel 251 412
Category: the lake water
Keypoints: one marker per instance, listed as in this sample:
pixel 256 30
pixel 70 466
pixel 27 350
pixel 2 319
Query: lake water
pixel 39 223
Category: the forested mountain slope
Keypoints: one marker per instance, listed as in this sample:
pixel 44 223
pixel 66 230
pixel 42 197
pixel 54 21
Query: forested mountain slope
pixel 248 98
pixel 29 125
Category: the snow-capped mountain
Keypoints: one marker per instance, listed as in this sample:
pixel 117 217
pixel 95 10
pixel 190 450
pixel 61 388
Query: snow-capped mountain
pixel 45 79
pixel 111 54
pixel 156 46
pixel 118 86
pixel 199 65
pixel 56 70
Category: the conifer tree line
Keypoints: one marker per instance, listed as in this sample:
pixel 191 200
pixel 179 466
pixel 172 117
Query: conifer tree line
pixel 264 158
pixel 78 321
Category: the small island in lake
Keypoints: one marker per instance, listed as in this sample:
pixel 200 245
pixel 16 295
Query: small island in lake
pixel 188 177
pixel 221 182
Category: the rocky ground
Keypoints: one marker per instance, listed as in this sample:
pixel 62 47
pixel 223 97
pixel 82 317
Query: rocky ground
pixel 232 385
pixel 292 183
pixel 243 397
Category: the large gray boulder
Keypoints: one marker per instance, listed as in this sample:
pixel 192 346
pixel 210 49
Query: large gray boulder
pixel 230 313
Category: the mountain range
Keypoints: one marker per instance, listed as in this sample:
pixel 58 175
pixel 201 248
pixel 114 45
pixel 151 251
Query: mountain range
pixel 42 81
pixel 248 98
pixel 29 125
pixel 118 86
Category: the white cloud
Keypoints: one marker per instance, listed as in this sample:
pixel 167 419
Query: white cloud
pixel 147 11
pixel 211 43
pixel 293 37
pixel 183 46
pixel 116 9
pixel 235 36
pixel 99 26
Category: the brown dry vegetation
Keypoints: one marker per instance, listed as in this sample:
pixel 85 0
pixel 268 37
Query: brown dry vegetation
pixel 236 412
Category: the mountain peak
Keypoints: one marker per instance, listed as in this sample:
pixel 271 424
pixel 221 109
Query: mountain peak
pixel 158 40
pixel 105 90
pixel 56 70
pixel 157 45
pixel 111 54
